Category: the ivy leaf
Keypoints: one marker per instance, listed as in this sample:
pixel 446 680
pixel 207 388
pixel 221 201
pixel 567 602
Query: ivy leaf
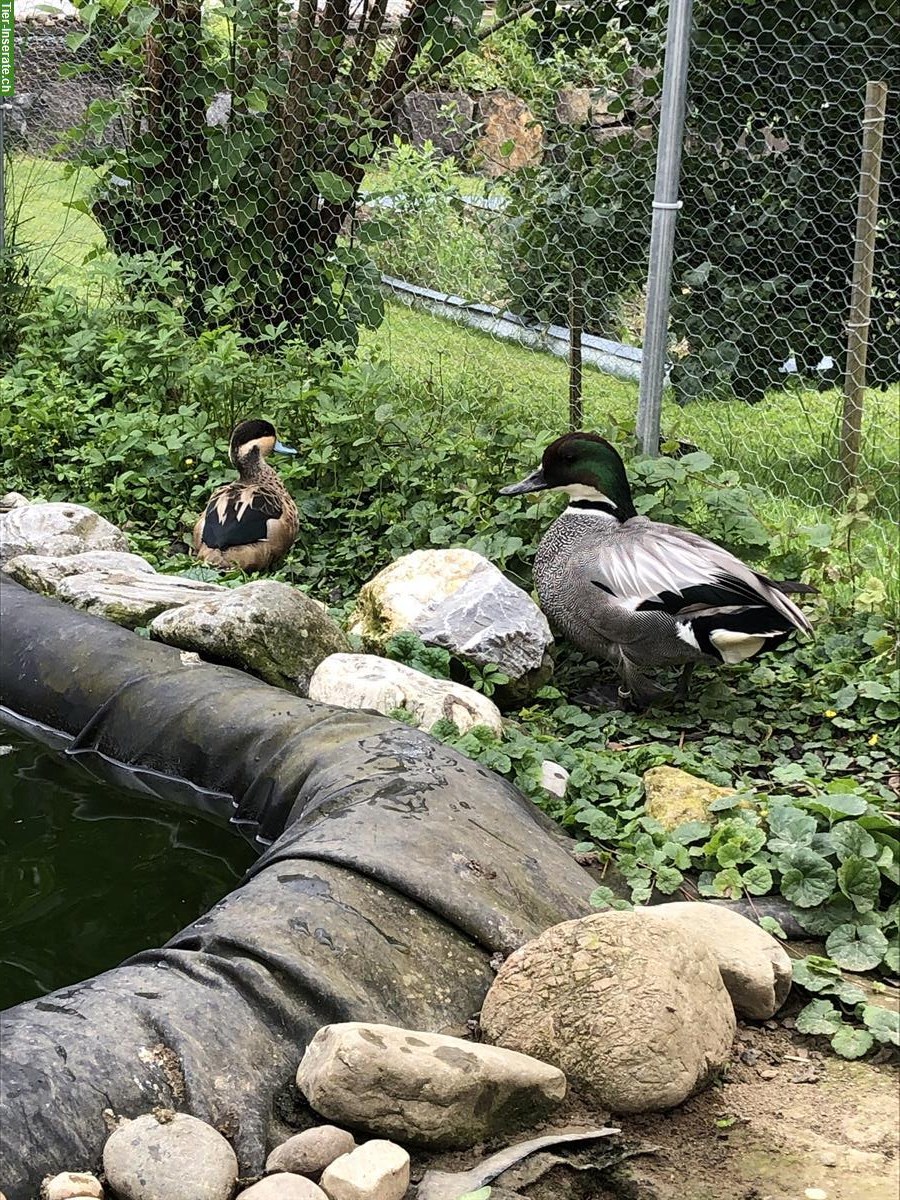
pixel 857 948
pixel 728 883
pixel 860 881
pixel 819 1017
pixel 691 831
pixel 852 1043
pixel 604 897
pixel 841 804
pixel 770 925
pixel 758 882
pixel 815 973
pixel 807 879
pixel 668 880
pixel 850 840
pixel 892 957
pixel 332 187
pixel 883 1023
pixel 790 829
pixel 824 920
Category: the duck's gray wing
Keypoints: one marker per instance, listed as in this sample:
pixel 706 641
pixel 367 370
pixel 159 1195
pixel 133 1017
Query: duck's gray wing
pixel 651 566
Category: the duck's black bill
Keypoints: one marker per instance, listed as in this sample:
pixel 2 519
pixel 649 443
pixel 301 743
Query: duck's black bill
pixel 535 482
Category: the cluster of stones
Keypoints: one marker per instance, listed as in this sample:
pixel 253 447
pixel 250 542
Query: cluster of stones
pixel 454 599
pixel 634 1010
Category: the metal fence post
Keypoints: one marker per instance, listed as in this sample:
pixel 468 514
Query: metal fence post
pixel 861 290
pixel 662 233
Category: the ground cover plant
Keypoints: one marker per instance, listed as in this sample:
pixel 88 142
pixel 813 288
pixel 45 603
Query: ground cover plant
pixel 113 402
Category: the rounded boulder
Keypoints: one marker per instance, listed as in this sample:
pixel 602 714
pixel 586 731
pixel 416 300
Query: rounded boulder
pixel 177 1158
pixel 633 1010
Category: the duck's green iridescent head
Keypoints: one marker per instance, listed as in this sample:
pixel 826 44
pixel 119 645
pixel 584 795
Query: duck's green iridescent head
pixel 588 468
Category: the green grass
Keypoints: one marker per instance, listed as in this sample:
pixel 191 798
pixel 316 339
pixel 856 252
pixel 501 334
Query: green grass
pixel 56 236
pixel 786 445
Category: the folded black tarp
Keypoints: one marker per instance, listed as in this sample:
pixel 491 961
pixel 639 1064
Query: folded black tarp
pixel 397 868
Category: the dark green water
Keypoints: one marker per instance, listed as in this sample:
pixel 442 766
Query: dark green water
pixel 90 874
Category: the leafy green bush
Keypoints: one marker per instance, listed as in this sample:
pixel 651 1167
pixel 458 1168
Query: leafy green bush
pixel 425 233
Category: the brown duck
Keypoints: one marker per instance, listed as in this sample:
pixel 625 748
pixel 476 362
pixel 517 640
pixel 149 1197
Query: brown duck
pixel 252 522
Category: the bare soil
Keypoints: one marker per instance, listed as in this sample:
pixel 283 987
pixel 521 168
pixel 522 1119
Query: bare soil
pixel 789 1121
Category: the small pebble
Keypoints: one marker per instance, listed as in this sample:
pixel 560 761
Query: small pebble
pixel 816 1194
pixel 68 1185
pixel 376 1170
pixel 310 1152
pixel 828 1158
pixel 768 1073
pixel 283 1187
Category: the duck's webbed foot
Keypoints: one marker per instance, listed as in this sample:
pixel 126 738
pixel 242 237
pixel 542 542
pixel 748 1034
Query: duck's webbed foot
pixel 600 695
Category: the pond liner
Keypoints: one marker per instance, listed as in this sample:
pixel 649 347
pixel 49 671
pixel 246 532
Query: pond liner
pixel 396 869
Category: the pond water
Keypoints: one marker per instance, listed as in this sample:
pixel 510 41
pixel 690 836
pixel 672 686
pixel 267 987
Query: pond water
pixel 90 874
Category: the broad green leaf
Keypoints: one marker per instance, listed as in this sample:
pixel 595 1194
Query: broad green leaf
pixel 852 1043
pixel 815 974
pixel 728 883
pixel 770 925
pixel 835 806
pixel 332 187
pixel 825 919
pixel 807 879
pixel 758 882
pixel 789 829
pixel 892 956
pixel 140 18
pixel 857 948
pixel 691 831
pixel 883 1023
pixel 668 880
pixel 850 840
pixel 860 881
pixel 818 1017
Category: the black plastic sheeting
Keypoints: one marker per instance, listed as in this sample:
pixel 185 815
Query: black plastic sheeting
pixel 397 868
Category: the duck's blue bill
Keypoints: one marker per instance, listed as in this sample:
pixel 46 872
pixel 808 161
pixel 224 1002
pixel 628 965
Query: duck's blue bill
pixel 283 449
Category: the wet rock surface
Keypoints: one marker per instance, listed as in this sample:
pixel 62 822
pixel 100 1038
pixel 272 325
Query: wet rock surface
pixel 367 681
pixel 56 529
pixel 270 629
pixel 755 967
pixel 376 1170
pixel 45 572
pixel 310 1152
pixel 178 1158
pixel 424 1088
pixel 634 1010
pixel 459 601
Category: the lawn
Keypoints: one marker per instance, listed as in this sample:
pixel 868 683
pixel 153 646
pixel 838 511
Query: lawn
pixel 786 445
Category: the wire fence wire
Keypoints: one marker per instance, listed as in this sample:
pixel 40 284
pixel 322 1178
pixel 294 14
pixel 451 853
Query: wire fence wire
pixel 317 168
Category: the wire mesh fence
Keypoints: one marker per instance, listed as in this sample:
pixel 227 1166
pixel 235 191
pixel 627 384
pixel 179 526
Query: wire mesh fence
pixel 417 174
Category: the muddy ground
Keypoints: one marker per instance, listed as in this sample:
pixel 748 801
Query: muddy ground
pixel 789 1121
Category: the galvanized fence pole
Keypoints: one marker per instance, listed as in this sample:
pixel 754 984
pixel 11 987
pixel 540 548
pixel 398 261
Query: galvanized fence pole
pixel 662 234
pixel 861 289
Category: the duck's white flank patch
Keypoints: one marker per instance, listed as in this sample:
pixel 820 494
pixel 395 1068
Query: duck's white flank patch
pixel 684 631
pixel 735 647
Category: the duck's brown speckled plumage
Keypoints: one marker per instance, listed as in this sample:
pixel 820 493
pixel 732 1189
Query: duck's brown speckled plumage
pixel 252 522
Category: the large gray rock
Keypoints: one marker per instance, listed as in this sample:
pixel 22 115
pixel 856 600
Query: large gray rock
pixel 424 1088
pixel 367 681
pixel 377 1170
pixel 178 1158
pixel 273 630
pixel 458 600
pixel 446 119
pixel 310 1152
pixel 45 572
pixel 632 1008
pixel 56 529
pixel 755 967
pixel 130 600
